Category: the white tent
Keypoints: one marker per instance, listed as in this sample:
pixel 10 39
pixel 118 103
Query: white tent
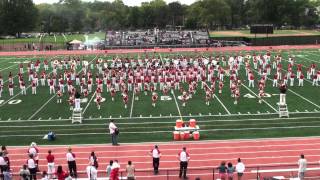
pixel 75 42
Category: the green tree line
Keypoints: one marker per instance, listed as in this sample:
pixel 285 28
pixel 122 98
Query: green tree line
pixel 17 16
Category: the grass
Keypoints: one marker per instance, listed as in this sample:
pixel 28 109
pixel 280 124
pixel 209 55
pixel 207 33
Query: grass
pixel 58 39
pixel 248 119
pixel 246 33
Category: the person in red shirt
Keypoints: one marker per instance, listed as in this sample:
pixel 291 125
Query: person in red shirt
pixel 51 169
pixel 61 174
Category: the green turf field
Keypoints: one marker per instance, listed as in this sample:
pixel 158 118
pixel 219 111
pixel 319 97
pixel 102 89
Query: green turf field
pixel 246 33
pixel 28 118
pixel 59 39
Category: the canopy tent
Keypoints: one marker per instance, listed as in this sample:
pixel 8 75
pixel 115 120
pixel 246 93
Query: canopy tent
pixel 75 42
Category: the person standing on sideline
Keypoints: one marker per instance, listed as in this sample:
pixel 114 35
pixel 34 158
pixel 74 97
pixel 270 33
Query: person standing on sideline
pixel 51 169
pixel 302 162
pixel 156 154
pixel 92 172
pixel 71 159
pixel 93 160
pixel 130 171
pixel 113 131
pixel 77 101
pixel 240 167
pixel 184 158
pixel 109 168
pixel 32 166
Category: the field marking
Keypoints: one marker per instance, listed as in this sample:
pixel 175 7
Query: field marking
pixel 20 91
pixel 190 148
pixel 169 131
pixel 225 108
pixel 172 92
pixel 175 100
pixel 296 93
pixel 85 109
pixel 308 59
pixel 55 95
pixel 304 98
pixel 258 97
pixel 162 117
pixel 41 108
pixel 174 143
pixel 195 155
pixel 131 109
pixel 167 125
pixel 7 67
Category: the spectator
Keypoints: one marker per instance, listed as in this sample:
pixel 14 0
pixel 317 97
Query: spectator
pixel 92 172
pixel 240 167
pixel 45 176
pixel 302 162
pixel 24 173
pixel 114 175
pixel 184 159
pixel 32 166
pixel 7 174
pixel 230 171
pixel 4 150
pixel 222 170
pixel 130 171
pixel 114 133
pixel 35 153
pixel 93 160
pixel 51 169
pixel 3 163
pixel 156 154
pixel 72 163
pixel 61 175
pixel 109 168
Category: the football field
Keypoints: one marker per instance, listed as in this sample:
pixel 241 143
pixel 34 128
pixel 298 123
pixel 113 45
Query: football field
pixel 27 118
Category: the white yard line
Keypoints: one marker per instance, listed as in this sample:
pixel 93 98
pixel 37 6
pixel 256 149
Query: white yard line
pixel 164 117
pixel 131 109
pixel 258 97
pixel 8 67
pixel 175 100
pixel 141 125
pixel 169 131
pixel 225 108
pixel 20 91
pixel 298 94
pixel 85 109
pixel 304 98
pixel 41 108
pixel 172 92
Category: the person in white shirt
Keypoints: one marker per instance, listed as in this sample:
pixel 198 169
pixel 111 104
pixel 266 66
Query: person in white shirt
pixel 113 132
pixel 184 158
pixel 92 172
pixel 3 163
pixel 32 166
pixel 156 154
pixel 240 167
pixel 302 162
pixel 71 163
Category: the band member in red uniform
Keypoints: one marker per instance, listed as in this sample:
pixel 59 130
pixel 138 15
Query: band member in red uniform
pixel 154 99
pixel 125 99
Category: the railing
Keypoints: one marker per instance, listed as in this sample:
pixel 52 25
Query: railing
pixel 287 171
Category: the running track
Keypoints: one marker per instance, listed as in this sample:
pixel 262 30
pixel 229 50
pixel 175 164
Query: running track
pixel 278 153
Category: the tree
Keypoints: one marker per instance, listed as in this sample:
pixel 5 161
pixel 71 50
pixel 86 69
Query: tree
pixel 176 12
pixel 18 16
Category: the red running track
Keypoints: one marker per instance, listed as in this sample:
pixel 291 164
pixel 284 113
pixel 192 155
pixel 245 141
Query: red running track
pixel 206 155
pixel 161 50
